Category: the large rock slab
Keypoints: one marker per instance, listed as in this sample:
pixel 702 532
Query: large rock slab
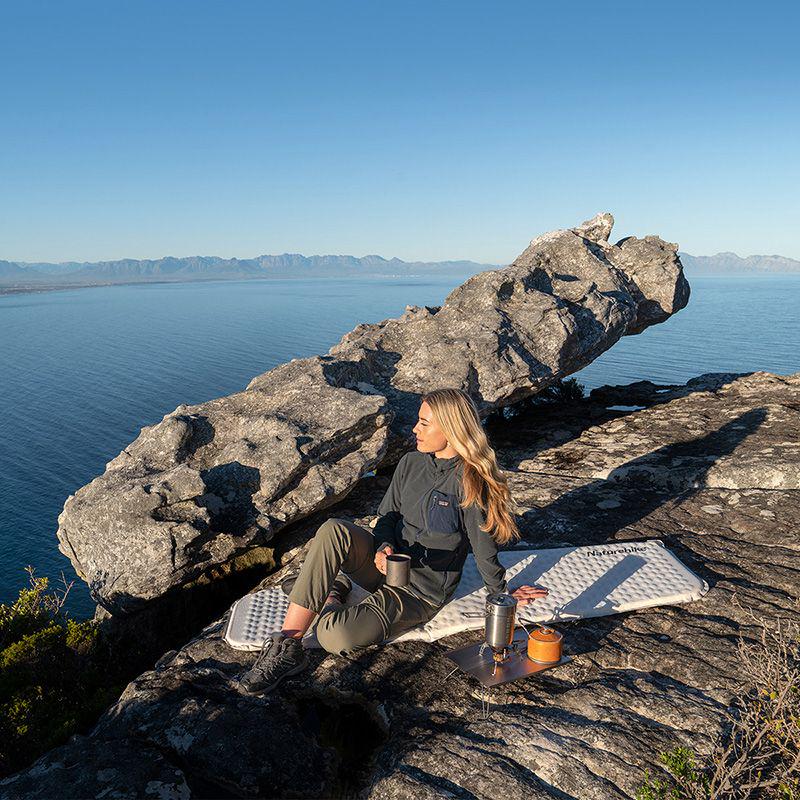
pixel 671 442
pixel 121 769
pixel 211 481
pixel 393 723
pixel 506 334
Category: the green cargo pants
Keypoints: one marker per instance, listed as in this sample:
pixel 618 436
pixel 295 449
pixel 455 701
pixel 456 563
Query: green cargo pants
pixel 388 611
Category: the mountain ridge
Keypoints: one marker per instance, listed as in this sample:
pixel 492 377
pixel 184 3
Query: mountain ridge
pixel 730 263
pixel 187 268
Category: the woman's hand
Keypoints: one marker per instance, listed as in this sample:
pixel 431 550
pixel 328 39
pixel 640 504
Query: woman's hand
pixel 527 594
pixel 380 558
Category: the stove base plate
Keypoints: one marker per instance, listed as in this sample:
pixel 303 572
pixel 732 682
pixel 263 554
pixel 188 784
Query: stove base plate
pixel 481 665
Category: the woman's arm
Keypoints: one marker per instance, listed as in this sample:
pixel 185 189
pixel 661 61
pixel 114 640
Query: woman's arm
pixel 493 572
pixel 484 549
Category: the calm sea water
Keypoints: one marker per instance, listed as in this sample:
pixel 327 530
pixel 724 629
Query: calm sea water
pixel 83 370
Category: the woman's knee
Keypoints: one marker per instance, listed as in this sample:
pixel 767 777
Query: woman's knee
pixel 333 528
pixel 340 638
pixel 334 638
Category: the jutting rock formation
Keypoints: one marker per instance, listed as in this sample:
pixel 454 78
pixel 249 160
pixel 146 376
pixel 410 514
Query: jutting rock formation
pixel 211 481
pixel 712 468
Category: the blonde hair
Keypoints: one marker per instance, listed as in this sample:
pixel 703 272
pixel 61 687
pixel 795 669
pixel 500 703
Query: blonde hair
pixel 482 481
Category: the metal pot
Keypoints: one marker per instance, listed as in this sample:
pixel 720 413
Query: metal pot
pixel 501 610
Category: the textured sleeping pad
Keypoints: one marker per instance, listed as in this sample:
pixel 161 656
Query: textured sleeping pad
pixel 590 581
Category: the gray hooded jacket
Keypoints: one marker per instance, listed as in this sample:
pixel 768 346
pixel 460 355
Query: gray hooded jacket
pixel 420 514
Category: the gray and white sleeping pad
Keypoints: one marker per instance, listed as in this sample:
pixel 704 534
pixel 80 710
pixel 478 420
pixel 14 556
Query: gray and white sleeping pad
pixel 590 581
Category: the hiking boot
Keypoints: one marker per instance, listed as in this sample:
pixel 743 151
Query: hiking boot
pixel 280 657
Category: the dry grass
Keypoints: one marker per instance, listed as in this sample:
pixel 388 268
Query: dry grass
pixel 758 754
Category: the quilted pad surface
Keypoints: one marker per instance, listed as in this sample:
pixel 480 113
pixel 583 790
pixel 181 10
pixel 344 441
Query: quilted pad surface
pixel 589 581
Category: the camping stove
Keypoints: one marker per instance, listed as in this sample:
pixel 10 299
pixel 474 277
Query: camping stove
pixel 503 655
pixel 501 609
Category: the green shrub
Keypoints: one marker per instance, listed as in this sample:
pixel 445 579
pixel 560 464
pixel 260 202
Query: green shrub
pixel 567 390
pixel 759 754
pixel 56 675
pixel 682 766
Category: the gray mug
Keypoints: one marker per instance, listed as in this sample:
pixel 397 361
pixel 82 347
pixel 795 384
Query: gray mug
pixel 398 569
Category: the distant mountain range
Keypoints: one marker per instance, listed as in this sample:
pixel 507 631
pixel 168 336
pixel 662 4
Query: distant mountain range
pixel 731 264
pixel 17 276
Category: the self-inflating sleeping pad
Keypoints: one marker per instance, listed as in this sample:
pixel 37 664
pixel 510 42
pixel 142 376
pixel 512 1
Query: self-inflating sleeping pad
pixel 590 581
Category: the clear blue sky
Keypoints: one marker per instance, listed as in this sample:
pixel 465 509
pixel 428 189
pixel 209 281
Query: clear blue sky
pixel 425 130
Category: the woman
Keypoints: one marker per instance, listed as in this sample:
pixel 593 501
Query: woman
pixel 445 496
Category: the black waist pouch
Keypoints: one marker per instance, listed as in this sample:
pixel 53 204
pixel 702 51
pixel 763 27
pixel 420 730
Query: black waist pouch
pixel 435 559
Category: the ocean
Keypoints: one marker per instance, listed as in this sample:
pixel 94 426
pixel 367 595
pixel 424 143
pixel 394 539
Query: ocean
pixel 82 371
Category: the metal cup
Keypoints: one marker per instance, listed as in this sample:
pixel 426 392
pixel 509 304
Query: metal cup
pixel 398 569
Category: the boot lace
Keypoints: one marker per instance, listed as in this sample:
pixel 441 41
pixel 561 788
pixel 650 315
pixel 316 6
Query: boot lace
pixel 273 651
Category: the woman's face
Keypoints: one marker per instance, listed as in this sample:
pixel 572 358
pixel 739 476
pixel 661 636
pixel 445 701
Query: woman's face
pixel 430 438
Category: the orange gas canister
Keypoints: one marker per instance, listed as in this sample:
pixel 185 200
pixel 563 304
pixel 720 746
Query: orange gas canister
pixel 544 646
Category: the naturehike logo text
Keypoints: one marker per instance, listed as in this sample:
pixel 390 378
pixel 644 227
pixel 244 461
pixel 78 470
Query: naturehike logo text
pixel 617 551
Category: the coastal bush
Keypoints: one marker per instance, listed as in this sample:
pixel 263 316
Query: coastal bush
pixel 568 390
pixel 565 391
pixel 758 755
pixel 55 674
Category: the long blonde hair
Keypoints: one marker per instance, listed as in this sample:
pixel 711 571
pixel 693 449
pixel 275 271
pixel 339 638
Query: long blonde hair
pixel 482 481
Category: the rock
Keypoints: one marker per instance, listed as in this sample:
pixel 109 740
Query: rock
pixel 212 481
pixel 392 722
pixel 673 444
pixel 597 229
pixel 504 335
pixel 122 769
